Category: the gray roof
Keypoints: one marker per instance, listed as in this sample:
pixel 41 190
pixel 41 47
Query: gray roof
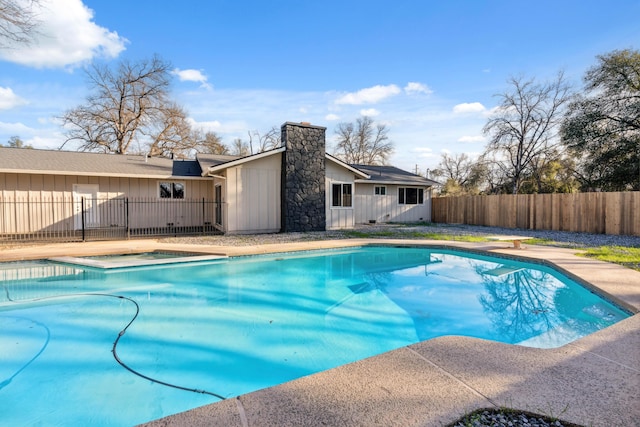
pixel 209 160
pixel 55 162
pixel 393 175
pixel 186 168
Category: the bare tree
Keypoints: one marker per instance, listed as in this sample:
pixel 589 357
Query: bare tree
pixel 209 143
pixel 524 127
pixel 170 133
pixel 129 106
pixel 18 22
pixel 264 142
pixel 460 174
pixel 363 142
pixel 240 148
pixel 457 167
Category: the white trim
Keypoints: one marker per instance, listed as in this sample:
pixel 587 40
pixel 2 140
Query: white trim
pixel 417 187
pixel 402 183
pixel 381 187
pixel 232 163
pixel 346 166
pixel 172 181
pixel 341 183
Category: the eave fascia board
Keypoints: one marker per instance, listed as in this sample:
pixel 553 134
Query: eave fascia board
pixel 237 162
pixel 346 166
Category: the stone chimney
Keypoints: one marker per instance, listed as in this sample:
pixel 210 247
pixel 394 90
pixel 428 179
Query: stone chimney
pixel 303 175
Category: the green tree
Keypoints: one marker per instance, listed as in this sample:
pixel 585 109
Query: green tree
pixel 602 127
pixel 555 176
pixel 16 142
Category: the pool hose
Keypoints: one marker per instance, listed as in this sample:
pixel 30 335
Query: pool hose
pixel 120 334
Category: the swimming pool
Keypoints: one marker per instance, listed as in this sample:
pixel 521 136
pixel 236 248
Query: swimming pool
pixel 227 327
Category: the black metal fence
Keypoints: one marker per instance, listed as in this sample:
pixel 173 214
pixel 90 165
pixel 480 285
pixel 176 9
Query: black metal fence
pixel 69 219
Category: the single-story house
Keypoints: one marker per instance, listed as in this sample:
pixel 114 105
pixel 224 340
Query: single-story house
pixel 296 187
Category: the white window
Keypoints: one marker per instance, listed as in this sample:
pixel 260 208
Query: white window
pixel 171 190
pixel 380 190
pixel 341 195
pixel 410 196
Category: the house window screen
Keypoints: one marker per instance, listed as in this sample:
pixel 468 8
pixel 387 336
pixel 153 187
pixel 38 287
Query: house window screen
pixel 410 196
pixel 380 190
pixel 341 195
pixel 171 190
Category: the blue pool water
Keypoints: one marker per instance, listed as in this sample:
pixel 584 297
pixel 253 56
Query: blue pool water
pixel 233 326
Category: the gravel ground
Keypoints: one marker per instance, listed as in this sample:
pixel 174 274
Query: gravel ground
pixel 396 231
pixel 498 418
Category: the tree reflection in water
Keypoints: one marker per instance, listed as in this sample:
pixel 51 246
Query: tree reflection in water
pixel 520 303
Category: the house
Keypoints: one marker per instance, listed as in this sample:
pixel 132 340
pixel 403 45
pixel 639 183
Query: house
pixel 54 193
pixel 296 187
pixel 299 187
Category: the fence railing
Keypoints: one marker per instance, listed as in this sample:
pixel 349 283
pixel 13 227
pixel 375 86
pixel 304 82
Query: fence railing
pixel 68 218
pixel 600 213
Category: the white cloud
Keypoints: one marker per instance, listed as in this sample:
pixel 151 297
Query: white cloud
pixel 471 139
pixel 415 87
pixel 369 95
pixel 332 117
pixel 423 152
pixel 192 75
pixel 67 37
pixel 16 128
pixel 371 112
pixel 423 149
pixel 213 125
pixel 8 99
pixel 469 107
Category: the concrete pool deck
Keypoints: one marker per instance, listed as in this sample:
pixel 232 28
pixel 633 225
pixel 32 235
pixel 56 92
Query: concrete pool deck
pixel 594 381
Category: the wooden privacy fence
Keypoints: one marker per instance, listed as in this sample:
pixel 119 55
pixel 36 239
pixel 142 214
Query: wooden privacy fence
pixel 600 213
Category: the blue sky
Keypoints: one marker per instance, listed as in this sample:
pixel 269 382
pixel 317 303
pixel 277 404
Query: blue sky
pixel 429 70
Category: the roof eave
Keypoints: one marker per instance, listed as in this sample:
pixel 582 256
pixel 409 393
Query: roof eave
pixel 237 162
pixel 97 174
pixel 382 182
pixel 346 166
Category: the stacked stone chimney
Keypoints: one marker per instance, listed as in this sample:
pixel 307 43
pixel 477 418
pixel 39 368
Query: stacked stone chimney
pixel 303 175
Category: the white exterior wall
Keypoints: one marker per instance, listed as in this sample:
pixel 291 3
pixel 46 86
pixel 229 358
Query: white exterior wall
pixel 55 193
pixel 38 185
pixel 251 196
pixel 338 218
pixel 371 207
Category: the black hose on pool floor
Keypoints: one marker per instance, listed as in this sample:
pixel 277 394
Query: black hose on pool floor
pixel 120 334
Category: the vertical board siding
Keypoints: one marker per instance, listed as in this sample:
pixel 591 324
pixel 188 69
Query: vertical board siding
pixel 40 216
pixel 598 213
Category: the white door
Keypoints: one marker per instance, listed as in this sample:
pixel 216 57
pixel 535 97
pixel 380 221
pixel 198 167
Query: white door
pixel 86 195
